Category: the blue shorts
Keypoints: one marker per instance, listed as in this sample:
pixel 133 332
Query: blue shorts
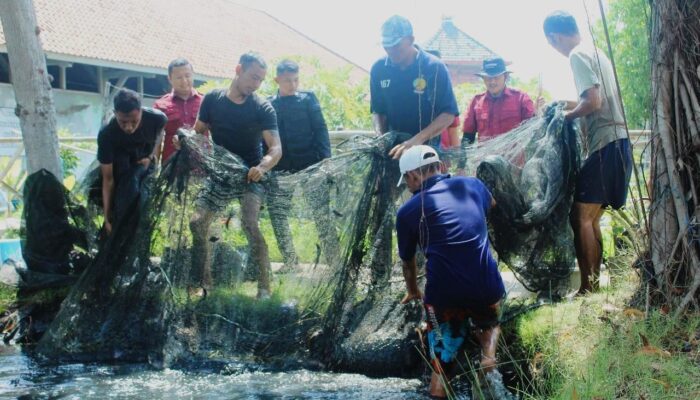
pixel 448 328
pixel 605 176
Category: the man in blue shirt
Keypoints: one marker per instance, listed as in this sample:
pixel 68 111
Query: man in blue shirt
pixel 446 217
pixel 411 91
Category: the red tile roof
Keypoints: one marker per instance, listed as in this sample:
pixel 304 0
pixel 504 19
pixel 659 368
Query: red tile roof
pixel 456 46
pixel 147 35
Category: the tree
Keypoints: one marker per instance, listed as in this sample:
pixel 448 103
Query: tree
pixel 628 26
pixel 30 79
pixel 675 140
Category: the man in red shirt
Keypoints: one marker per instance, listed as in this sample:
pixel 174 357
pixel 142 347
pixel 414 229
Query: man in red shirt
pixel 181 105
pixel 497 110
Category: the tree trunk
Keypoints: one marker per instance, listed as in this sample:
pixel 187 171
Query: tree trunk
pixel 30 80
pixel 674 217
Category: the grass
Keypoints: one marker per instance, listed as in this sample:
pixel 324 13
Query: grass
pixel 8 296
pixel 594 348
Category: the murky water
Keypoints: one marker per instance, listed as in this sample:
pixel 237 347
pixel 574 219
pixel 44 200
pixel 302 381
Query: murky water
pixel 21 377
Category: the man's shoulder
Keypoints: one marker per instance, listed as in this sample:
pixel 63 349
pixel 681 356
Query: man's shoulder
pixel 469 181
pixel 582 53
pixel 163 101
pixel 516 92
pixel 260 101
pixel 306 95
pixel 153 113
pixel 107 129
pixel 379 66
pixel 214 93
pixel 430 59
pixel 406 209
pixel 478 98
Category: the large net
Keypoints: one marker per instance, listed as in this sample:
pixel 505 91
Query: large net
pixel 180 276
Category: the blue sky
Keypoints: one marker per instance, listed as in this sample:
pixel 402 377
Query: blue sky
pixel 511 28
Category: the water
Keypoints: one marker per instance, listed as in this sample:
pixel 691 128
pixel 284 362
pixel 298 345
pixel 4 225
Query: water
pixel 21 377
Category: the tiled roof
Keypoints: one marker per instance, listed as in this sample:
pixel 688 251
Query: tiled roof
pixel 456 46
pixel 211 34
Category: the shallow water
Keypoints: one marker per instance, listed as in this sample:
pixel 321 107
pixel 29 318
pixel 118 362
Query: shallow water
pixel 21 377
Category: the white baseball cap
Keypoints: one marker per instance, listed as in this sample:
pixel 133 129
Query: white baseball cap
pixel 416 157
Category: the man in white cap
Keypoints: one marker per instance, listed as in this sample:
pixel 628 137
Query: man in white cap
pixel 410 89
pixel 446 217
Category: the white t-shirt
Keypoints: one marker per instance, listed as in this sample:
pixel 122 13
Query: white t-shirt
pixel 592 68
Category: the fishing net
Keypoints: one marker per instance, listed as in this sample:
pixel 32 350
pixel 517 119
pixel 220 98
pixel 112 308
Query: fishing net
pixel 334 278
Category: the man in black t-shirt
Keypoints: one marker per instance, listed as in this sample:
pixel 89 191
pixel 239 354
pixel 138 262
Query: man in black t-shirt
pixel 238 120
pixel 126 150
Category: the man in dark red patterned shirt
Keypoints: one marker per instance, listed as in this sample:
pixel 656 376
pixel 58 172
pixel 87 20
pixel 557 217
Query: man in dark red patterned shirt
pixel 181 105
pixel 497 110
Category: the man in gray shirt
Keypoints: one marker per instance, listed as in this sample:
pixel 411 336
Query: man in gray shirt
pixel 604 177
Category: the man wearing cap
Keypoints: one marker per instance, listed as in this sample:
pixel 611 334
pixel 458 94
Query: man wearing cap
pixel 446 217
pixel 411 90
pixel 604 177
pixel 499 109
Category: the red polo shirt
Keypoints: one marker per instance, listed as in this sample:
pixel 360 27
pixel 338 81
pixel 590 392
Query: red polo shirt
pixel 493 116
pixel 180 113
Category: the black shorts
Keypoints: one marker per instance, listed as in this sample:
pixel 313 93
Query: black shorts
pixel 605 176
pixel 216 197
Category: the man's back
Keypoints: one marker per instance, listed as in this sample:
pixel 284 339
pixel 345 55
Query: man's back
pixel 447 220
pixel 591 67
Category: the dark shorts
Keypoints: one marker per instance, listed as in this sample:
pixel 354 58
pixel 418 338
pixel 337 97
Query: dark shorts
pixel 216 197
pixel 605 176
pixel 448 327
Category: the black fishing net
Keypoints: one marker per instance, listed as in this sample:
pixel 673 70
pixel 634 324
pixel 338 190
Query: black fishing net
pixel 329 262
pixel 531 173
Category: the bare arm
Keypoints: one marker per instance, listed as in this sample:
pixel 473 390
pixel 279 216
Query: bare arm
pixel 107 192
pixel 410 277
pixel 274 153
pixel 158 148
pixel 590 102
pixel 438 125
pixel 379 123
pixel 200 127
pixel 454 135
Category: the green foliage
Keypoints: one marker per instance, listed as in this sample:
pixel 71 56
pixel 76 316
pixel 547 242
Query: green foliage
pixel 8 295
pixel 628 26
pixel 594 348
pixel 344 100
pixel 69 161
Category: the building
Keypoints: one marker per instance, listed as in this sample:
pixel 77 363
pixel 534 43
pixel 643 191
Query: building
pixel 94 45
pixel 462 54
